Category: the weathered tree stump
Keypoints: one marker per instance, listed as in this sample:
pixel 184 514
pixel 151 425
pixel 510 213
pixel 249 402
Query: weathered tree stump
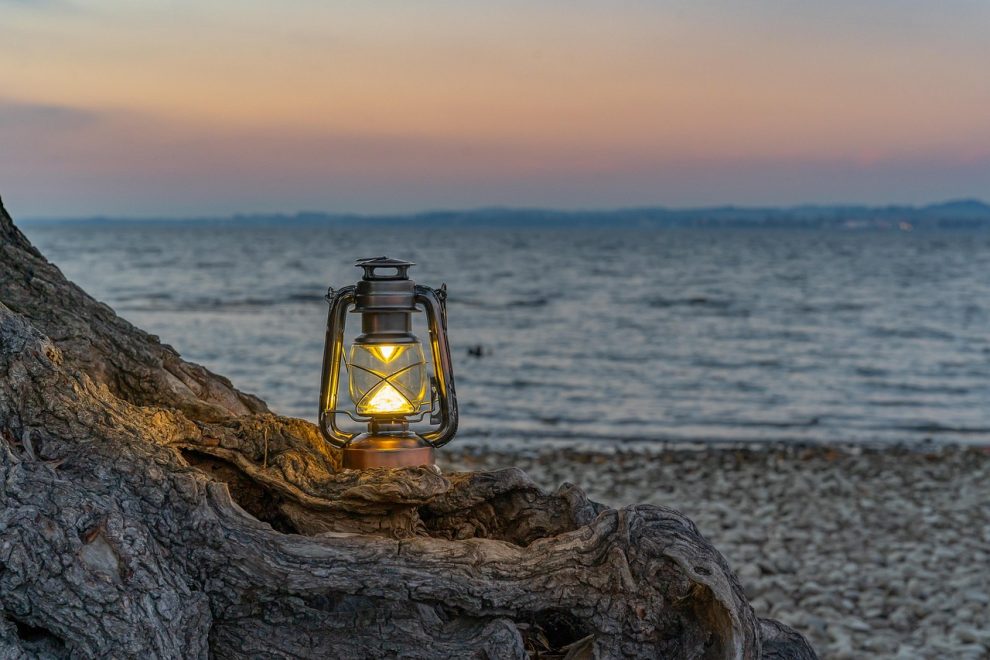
pixel 149 509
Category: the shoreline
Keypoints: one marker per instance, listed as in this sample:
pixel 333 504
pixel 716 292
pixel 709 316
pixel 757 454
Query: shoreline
pixel 514 447
pixel 868 551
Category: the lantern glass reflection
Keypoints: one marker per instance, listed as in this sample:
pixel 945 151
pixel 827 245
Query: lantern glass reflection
pixel 387 380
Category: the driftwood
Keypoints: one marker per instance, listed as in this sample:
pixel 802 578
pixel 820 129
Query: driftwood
pixel 149 509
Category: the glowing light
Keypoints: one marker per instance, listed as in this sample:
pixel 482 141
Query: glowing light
pixel 386 353
pixel 387 379
pixel 387 400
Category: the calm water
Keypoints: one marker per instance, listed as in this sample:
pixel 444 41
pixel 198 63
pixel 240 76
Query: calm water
pixel 594 335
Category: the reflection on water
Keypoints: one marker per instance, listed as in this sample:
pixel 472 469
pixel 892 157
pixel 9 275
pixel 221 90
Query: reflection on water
pixel 594 335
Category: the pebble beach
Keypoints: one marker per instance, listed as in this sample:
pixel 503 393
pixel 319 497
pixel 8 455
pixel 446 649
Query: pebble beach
pixel 867 552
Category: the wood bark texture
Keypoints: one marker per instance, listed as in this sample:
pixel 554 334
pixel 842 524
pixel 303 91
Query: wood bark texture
pixel 148 509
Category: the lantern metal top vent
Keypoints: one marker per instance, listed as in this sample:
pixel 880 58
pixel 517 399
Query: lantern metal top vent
pixel 388 379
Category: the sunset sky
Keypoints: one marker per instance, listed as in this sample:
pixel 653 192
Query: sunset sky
pixel 185 108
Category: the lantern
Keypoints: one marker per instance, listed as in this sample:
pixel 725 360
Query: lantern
pixel 388 378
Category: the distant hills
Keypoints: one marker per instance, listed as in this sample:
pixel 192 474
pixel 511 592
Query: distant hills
pixel 955 214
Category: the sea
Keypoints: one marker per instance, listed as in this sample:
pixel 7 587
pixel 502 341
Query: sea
pixel 608 338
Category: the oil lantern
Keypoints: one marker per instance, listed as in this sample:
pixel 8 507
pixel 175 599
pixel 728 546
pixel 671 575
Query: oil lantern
pixel 388 379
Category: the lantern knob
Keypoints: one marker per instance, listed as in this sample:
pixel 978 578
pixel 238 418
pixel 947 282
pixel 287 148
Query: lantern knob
pixel 399 268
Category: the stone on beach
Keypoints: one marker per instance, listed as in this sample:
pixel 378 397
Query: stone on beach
pixel 869 552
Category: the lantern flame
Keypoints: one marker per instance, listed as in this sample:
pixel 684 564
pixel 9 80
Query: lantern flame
pixel 387 400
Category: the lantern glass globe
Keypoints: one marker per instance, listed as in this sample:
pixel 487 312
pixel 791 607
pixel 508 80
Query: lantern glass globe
pixel 387 379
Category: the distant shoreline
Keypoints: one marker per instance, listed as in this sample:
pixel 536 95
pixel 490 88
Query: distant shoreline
pixel 958 214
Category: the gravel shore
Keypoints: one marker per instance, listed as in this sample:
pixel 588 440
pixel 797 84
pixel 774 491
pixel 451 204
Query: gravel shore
pixel 867 552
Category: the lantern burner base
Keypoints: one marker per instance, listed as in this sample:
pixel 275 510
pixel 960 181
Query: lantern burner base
pixel 390 450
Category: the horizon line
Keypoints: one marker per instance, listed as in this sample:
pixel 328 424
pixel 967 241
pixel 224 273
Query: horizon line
pixel 354 215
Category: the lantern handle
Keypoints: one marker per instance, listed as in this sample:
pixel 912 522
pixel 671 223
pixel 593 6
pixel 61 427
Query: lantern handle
pixel 399 268
pixel 332 354
pixel 434 302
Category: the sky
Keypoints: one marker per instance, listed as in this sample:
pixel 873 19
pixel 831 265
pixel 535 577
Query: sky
pixel 188 108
